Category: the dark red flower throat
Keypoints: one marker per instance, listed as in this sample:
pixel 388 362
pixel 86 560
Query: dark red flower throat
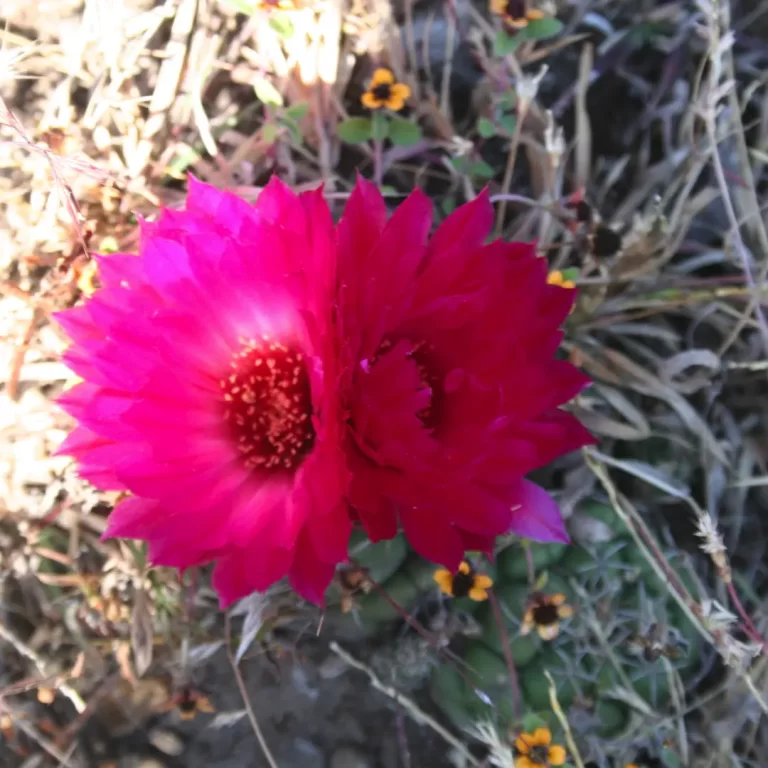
pixel 268 405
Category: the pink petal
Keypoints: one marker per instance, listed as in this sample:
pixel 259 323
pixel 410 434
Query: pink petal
pixel 244 571
pixel 432 538
pixel 536 516
pixel 310 576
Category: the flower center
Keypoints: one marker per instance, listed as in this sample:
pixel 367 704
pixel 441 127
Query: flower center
pixel 268 405
pixel 462 583
pixel 515 9
pixel 546 614
pixel 382 92
pixel 539 755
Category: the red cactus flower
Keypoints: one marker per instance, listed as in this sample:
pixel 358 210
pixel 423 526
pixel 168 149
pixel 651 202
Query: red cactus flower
pixel 259 380
pixel 455 390
pixel 209 391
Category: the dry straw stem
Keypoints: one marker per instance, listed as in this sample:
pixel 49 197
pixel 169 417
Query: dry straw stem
pixel 721 85
pixel 560 715
pixel 407 704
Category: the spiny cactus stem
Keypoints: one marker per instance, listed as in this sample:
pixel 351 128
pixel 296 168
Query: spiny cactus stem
pixel 514 685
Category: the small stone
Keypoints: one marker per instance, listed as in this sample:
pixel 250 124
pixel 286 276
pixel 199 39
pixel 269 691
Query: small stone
pixel 166 741
pixel 350 757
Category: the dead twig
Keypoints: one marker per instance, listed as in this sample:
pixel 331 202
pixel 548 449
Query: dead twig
pixel 244 694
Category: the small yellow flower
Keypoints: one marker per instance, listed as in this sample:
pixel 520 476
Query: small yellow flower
pixel 536 750
pixel 631 765
pixel 556 277
pixel 464 583
pixel 87 282
pixel 384 91
pixel 278 5
pixel 515 13
pixel 544 612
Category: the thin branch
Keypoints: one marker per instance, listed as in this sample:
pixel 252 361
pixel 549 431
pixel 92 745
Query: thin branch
pixel 514 685
pixel 409 706
pixel 42 667
pixel 244 694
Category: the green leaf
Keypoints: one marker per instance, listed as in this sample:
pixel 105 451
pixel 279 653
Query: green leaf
pixel 269 131
pixel 297 111
pixel 508 123
pixel 482 170
pixel 508 100
pixel 532 721
pixel 267 94
pixel 572 273
pixel 670 758
pixel 404 133
pixel 486 128
pixel 282 25
pixel 247 7
pixel 448 206
pixel 291 125
pixel 460 163
pixel 387 190
pixel 379 126
pixel 540 29
pixel 506 43
pixel 355 130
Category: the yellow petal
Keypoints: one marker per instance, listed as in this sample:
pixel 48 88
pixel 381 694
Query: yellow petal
pixel 400 91
pixel 528 623
pixel 525 762
pixel 534 14
pixel 523 743
pixel 465 568
pixel 517 23
pixel 498 7
pixel 382 76
pixel 565 611
pixel 370 101
pixel 483 581
pixel 548 631
pixel 557 599
pixel 557 755
pixel 542 737
pixel 204 705
pixel 477 594
pixel 444 579
pixel 555 277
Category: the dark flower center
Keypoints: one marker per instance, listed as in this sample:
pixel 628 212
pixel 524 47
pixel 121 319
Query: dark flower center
pixel 605 242
pixel 268 405
pixel 515 9
pixel 540 755
pixel 545 614
pixel 382 91
pixel 462 583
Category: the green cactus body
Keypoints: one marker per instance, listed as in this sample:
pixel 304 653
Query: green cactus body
pixel 535 686
pixel 381 559
pixel 512 599
pixel 513 565
pixel 487 695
